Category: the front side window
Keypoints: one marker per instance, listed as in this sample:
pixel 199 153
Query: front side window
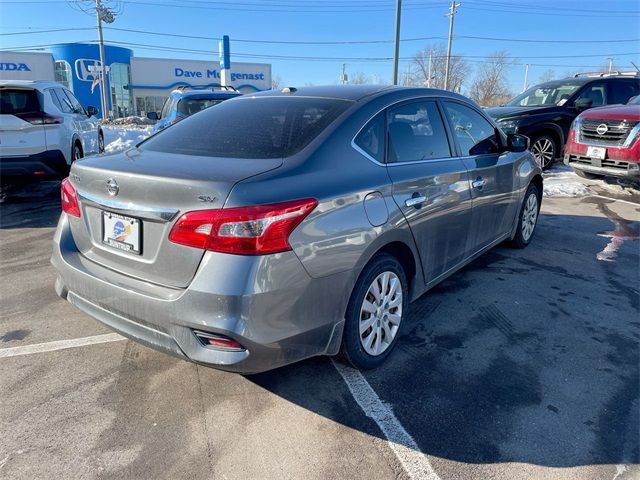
pixel 63 74
pixel 73 101
pixel 254 127
pixel 596 92
pixel 416 133
pixel 371 138
pixel 474 133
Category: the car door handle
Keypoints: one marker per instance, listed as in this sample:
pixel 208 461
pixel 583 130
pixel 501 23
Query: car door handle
pixel 415 201
pixel 479 183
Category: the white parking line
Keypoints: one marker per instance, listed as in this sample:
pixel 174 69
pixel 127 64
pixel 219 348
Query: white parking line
pixel 414 462
pixel 59 345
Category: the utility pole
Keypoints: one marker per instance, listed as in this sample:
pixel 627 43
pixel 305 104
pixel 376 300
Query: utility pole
pixel 610 64
pixel 103 14
pixel 526 77
pixel 343 74
pixel 452 13
pixel 430 68
pixel 397 42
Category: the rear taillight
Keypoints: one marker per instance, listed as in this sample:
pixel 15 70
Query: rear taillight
pixel 69 199
pixel 257 230
pixel 39 118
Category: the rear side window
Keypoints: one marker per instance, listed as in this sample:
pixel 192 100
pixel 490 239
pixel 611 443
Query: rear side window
pixel 416 133
pixel 267 127
pixel 63 101
pixel 474 133
pixel 371 138
pixel 17 100
pixel 621 91
pixel 596 92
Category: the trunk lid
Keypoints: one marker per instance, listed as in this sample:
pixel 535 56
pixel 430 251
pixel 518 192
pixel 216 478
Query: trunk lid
pixel 153 188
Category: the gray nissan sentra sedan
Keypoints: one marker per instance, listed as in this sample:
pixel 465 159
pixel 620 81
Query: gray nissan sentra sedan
pixel 286 224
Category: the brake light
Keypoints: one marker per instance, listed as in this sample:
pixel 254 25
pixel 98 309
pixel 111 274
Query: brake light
pixel 69 199
pixel 256 230
pixel 40 118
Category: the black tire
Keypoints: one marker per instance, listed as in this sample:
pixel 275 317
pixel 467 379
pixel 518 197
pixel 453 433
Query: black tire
pixel 100 142
pixel 545 150
pixel 352 349
pixel 523 236
pixel 587 175
pixel 76 151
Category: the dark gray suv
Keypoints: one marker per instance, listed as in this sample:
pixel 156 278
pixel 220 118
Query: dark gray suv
pixel 283 225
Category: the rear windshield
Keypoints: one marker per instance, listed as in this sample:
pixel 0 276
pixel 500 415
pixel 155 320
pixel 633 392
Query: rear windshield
pixel 189 106
pixel 266 127
pixel 14 101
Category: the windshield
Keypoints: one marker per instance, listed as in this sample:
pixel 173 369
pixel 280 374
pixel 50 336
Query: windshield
pixel 545 95
pixel 254 127
pixel 189 106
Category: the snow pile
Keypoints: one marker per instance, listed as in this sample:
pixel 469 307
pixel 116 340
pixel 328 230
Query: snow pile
pixel 561 181
pixel 129 121
pixel 117 139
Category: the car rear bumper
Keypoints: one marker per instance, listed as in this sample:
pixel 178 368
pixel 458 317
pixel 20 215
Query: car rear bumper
pixel 51 162
pixel 279 317
pixel 615 168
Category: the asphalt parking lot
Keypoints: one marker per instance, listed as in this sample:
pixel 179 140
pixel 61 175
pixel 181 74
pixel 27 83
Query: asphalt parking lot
pixel 525 365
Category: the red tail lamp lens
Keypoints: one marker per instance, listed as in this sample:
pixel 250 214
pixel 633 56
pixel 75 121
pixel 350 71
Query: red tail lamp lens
pixel 69 199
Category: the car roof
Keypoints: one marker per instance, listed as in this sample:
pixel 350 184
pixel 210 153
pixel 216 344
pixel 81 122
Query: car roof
pixel 30 83
pixel 352 92
pixel 204 93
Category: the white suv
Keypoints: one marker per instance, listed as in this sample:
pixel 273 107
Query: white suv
pixel 43 129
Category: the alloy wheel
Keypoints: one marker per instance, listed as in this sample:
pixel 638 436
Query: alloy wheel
pixel 381 313
pixel 529 216
pixel 543 151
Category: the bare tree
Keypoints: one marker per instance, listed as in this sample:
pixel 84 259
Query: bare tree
pixel 490 84
pixel 547 76
pixel 358 78
pixel 276 82
pixel 458 71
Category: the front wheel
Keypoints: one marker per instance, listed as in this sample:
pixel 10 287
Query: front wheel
pixel 544 151
pixel 528 218
pixel 379 303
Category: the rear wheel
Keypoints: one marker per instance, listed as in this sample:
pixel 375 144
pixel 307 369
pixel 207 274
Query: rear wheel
pixel 379 302
pixel 528 218
pixel 544 150
pixel 587 175
pixel 76 152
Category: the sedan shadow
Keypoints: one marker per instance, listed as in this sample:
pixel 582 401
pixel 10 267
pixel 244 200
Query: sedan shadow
pixel 30 204
pixel 523 356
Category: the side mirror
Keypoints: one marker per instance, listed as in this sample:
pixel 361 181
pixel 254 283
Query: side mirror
pixel 152 116
pixel 582 104
pixel 92 111
pixel 517 142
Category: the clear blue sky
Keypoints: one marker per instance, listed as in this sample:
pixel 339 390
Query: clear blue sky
pixel 554 21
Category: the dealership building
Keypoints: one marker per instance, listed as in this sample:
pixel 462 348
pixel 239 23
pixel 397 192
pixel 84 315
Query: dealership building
pixel 137 85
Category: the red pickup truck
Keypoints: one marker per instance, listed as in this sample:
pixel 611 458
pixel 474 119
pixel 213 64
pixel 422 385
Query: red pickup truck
pixel 606 141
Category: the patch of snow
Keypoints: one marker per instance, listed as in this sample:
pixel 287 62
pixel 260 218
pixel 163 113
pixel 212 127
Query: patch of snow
pixel 561 181
pixel 133 120
pixel 117 139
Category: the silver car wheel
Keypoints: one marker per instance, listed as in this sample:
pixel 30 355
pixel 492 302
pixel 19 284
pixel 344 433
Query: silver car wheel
pixel 543 151
pixel 529 216
pixel 381 313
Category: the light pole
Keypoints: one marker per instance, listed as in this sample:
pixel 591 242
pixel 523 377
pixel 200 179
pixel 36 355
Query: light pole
pixel 526 77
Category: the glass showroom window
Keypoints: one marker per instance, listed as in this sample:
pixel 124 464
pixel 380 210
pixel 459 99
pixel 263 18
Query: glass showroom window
pixel 120 94
pixel 63 74
pixel 149 103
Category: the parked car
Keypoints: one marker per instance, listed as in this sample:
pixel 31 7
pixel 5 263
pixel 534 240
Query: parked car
pixel 43 129
pixel 606 141
pixel 544 113
pixel 287 224
pixel 186 101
